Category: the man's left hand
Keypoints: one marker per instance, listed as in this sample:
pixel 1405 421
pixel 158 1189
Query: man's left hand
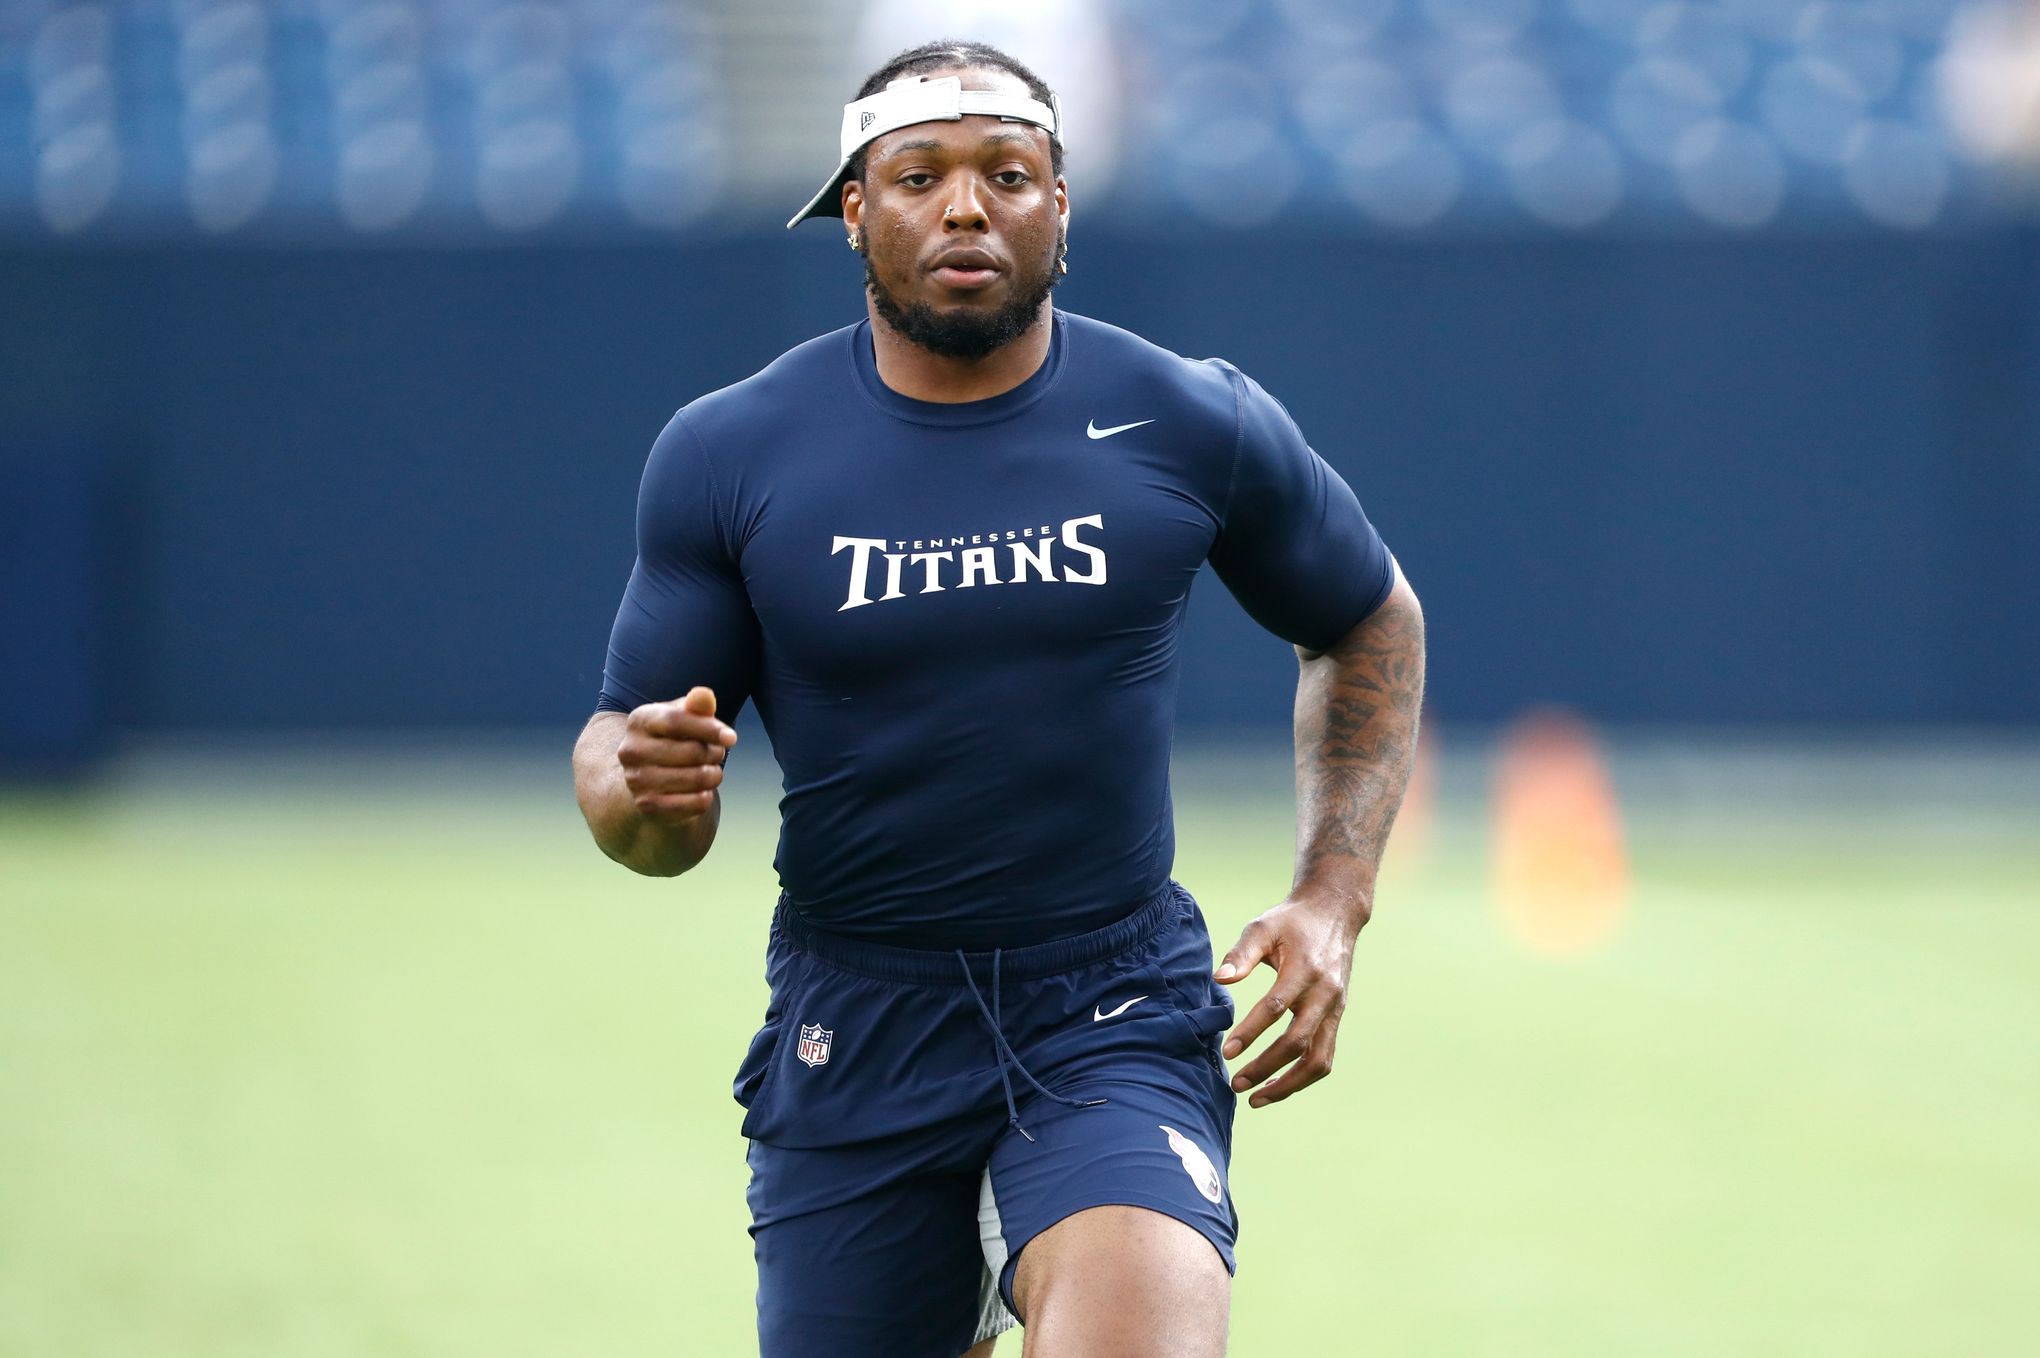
pixel 1309 943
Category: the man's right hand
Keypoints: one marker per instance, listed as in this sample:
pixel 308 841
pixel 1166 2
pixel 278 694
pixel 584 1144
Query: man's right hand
pixel 672 756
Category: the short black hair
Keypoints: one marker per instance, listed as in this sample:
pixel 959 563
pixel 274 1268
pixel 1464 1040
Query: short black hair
pixel 945 54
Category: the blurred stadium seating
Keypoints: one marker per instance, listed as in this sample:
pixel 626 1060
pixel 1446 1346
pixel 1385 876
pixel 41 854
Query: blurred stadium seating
pixel 483 117
pixel 356 115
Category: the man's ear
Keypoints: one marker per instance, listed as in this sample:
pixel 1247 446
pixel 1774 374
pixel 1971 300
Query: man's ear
pixel 853 207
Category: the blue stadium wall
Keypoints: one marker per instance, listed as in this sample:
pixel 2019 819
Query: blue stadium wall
pixel 1788 479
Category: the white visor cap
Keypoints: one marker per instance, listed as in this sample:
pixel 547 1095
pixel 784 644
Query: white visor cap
pixel 915 100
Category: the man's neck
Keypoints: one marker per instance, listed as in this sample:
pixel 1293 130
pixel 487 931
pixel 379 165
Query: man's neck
pixel 924 375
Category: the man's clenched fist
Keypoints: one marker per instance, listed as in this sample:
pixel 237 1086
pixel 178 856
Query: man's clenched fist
pixel 672 756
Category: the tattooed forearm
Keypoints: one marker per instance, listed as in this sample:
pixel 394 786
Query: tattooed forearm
pixel 1356 735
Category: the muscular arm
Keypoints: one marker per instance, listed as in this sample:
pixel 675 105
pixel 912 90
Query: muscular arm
pixel 1356 734
pixel 647 782
pixel 647 777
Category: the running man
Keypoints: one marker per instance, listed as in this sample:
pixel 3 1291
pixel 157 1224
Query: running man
pixel 947 552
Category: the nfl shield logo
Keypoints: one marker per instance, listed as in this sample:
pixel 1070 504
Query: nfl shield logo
pixel 814 1043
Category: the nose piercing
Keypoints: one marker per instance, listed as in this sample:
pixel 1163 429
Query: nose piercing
pixel 947 213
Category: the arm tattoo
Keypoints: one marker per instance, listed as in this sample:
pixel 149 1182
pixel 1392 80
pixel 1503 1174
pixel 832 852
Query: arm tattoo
pixel 1356 734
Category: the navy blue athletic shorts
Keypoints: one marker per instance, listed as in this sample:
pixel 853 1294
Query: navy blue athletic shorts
pixel 917 1117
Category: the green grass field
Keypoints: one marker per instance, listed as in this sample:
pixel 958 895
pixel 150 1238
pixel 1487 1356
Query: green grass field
pixel 288 1072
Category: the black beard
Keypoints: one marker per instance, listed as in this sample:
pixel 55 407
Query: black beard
pixel 965 332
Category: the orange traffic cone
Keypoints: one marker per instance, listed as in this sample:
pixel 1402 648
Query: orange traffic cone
pixel 1561 875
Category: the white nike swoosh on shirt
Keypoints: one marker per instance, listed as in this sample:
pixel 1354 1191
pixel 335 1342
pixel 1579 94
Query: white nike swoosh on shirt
pixel 1095 432
pixel 1099 1016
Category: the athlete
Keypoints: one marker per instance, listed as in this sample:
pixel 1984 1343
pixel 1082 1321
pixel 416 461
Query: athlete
pixel 947 552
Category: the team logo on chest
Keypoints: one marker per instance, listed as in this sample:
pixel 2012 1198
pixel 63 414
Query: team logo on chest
pixel 815 1041
pixel 1037 553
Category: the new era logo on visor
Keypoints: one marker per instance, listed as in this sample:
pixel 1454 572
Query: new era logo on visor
pixel 866 119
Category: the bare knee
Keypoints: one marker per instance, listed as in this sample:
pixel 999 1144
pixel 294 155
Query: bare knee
pixel 1122 1282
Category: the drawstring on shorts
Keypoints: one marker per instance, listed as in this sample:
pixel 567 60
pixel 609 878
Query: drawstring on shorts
pixel 1004 1049
pixel 1031 962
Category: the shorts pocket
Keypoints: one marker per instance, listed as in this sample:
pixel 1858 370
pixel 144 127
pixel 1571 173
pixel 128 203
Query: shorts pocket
pixel 757 1061
pixel 787 973
pixel 1204 1006
pixel 1206 1025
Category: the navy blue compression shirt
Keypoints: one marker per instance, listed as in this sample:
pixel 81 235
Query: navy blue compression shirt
pixel 959 622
